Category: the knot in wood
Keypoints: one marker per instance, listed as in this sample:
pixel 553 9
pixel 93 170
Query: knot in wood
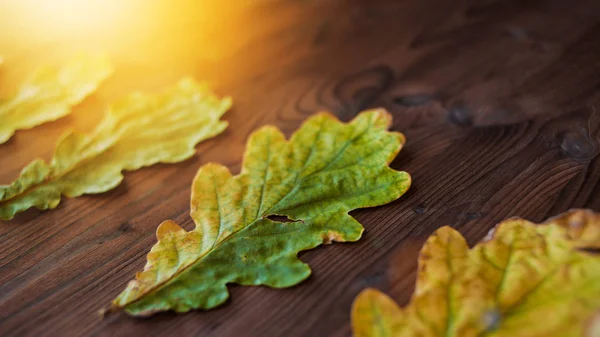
pixel 577 146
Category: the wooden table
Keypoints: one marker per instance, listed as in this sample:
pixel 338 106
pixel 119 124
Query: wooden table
pixel 498 101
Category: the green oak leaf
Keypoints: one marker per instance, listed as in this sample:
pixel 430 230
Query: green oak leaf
pixel 325 170
pixel 140 130
pixel 51 93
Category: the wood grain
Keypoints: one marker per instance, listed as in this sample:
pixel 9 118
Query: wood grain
pixel 498 100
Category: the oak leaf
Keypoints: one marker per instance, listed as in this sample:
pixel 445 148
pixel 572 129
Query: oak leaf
pixel 523 280
pixel 140 130
pixel 51 92
pixel 325 170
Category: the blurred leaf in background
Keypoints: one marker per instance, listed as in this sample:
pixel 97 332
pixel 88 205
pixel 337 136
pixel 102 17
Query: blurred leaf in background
pixel 51 93
pixel 139 130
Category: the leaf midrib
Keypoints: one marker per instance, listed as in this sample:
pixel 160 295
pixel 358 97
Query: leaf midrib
pixel 516 307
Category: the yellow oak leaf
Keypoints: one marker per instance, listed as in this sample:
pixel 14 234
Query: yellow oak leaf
pixel 523 280
pixel 140 130
pixel 51 93
pixel 325 170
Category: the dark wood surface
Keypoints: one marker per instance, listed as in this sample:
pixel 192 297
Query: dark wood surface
pixel 498 100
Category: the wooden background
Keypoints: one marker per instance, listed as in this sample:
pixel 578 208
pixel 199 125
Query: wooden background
pixel 498 100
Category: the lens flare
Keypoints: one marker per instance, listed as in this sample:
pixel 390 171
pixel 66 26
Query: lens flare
pixel 130 27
